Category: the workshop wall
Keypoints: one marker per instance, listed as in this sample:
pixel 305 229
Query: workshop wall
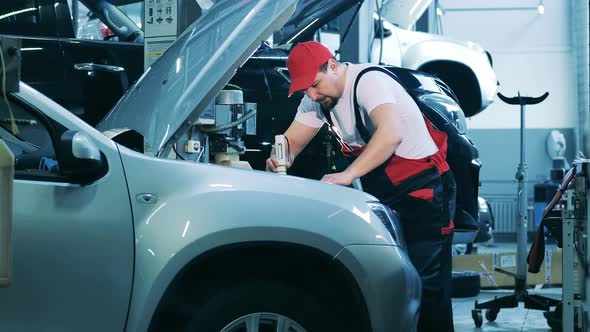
pixel 532 53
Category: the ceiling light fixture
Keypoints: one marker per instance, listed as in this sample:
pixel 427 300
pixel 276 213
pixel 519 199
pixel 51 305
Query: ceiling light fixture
pixel 541 8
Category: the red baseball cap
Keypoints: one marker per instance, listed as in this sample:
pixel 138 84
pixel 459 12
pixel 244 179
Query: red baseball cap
pixel 304 62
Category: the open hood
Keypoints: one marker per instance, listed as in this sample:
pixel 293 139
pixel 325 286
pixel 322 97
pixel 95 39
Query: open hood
pixel 309 16
pixel 174 91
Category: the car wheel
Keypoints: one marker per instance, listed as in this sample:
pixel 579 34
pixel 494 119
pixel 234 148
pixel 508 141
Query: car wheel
pixel 465 284
pixel 264 306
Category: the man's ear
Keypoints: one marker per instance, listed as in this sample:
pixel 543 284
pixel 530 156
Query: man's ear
pixel 332 64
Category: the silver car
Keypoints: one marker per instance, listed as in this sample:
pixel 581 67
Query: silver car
pixel 110 234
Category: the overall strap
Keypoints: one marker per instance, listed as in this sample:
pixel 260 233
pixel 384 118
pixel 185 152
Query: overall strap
pixel 345 147
pixel 363 131
pixel 327 115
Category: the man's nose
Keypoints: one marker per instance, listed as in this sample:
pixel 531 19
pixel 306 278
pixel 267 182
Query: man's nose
pixel 313 95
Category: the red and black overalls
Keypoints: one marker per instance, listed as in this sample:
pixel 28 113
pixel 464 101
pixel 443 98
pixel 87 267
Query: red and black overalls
pixel 422 191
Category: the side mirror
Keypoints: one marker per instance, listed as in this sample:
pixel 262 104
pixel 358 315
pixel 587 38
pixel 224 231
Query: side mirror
pixel 6 179
pixel 79 158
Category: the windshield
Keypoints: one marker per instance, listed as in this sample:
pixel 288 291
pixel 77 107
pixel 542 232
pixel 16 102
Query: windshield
pixel 186 78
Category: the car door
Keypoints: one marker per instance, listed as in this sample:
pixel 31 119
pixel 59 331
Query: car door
pixel 72 244
pixel 100 66
pixel 34 22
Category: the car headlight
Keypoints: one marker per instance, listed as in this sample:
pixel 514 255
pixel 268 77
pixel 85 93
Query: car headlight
pixel 390 220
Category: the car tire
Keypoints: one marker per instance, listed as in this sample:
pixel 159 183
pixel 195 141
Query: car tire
pixel 238 302
pixel 465 284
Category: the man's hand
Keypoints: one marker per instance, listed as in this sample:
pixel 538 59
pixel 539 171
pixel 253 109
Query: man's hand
pixel 342 178
pixel 298 136
pixel 272 163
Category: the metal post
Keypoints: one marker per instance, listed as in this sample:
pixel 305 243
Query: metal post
pixel 355 47
pixel 521 229
pixel 567 314
pixel 75 17
pixel 586 306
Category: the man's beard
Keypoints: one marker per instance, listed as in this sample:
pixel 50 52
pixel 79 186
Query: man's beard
pixel 328 103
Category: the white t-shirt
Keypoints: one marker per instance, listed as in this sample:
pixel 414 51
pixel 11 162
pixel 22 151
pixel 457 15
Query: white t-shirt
pixel 374 88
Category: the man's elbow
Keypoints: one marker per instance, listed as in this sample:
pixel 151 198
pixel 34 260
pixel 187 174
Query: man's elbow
pixel 395 141
pixel 392 138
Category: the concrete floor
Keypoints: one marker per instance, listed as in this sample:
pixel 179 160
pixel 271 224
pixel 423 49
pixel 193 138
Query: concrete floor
pixel 517 319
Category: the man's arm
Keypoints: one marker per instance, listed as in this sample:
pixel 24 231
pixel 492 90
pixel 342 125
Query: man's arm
pixel 381 146
pixel 298 135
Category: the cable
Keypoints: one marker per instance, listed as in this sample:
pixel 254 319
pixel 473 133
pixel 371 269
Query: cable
pixel 177 154
pixel 200 154
pixel 14 128
pixel 231 124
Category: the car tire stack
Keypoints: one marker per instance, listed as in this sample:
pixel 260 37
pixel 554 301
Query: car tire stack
pixel 465 284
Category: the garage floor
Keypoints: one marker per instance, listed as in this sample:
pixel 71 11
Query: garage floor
pixel 517 319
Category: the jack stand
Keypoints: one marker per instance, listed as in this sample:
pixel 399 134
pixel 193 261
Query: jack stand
pixel 520 294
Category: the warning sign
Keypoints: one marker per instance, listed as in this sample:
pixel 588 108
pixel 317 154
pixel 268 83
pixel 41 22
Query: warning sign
pixel 161 18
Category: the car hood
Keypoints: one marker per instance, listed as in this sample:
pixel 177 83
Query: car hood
pixel 169 97
pixel 309 16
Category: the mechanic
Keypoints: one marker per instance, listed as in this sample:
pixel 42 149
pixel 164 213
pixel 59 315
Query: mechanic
pixel 398 154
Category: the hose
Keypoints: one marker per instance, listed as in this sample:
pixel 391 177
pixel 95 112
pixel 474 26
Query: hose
pixel 231 124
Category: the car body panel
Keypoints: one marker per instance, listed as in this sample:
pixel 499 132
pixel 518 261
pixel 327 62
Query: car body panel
pixel 386 281
pixel 71 260
pixel 202 207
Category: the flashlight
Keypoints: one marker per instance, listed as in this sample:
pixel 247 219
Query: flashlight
pixel 281 147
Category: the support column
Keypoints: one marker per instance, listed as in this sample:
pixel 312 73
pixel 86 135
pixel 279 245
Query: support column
pixel 356 46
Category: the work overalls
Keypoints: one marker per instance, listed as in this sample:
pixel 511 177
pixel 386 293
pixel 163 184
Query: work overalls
pixel 422 191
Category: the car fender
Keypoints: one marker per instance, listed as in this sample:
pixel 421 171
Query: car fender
pixel 195 208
